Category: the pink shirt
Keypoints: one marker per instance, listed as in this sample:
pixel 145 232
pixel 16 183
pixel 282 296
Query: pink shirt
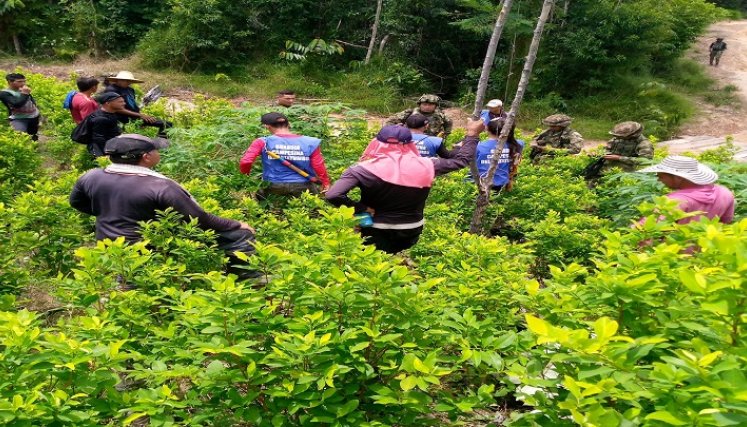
pixel 714 200
pixel 82 106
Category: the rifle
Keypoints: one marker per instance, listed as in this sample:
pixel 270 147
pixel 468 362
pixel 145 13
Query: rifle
pixel 291 166
pixel 152 95
pixel 593 169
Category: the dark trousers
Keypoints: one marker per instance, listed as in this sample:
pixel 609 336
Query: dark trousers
pixel 292 189
pixel 391 241
pixel 29 126
pixel 238 241
pixel 162 125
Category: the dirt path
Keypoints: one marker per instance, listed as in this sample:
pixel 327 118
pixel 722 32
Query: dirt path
pixel 715 123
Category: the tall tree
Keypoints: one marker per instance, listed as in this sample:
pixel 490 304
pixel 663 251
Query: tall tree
pixel 487 65
pixel 377 20
pixel 486 182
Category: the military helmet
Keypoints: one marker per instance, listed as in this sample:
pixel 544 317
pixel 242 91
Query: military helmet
pixel 561 120
pixel 626 129
pixel 432 99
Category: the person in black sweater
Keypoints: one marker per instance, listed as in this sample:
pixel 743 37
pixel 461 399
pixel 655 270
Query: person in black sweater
pixel 395 182
pixel 129 191
pixel 103 122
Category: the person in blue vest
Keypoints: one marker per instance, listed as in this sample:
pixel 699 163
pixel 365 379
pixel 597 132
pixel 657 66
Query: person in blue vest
pixel 494 111
pixel 509 158
pixel 428 146
pixel 303 153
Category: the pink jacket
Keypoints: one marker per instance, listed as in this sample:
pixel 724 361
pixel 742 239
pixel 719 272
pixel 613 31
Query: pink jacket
pixel 714 200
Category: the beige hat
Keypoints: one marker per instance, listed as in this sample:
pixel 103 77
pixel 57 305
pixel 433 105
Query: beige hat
pixel 494 103
pixel 125 75
pixel 684 167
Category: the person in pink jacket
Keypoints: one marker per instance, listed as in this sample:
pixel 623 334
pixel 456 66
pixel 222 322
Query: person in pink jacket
pixel 695 188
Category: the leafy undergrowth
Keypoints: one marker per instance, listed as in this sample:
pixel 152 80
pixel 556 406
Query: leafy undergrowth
pixel 567 316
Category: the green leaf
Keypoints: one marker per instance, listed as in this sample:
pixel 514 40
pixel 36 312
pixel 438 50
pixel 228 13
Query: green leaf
pixel 347 408
pixel 408 383
pixel 605 328
pixel 537 325
pixel 666 417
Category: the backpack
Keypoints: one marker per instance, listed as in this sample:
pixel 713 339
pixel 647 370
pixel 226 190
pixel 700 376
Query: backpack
pixel 83 132
pixel 68 102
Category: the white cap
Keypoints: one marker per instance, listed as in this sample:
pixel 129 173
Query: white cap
pixel 494 103
pixel 685 167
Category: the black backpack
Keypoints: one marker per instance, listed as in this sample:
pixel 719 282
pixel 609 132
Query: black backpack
pixel 83 132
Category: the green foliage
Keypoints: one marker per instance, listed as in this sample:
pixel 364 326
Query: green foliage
pixel 569 316
pixel 19 163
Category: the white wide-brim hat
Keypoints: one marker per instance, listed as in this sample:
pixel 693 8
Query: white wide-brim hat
pixel 126 75
pixel 684 167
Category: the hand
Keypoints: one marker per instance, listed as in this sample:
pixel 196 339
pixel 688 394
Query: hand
pixel 474 127
pixel 25 90
pixel 148 119
pixel 372 211
pixel 245 226
pixel 325 188
pixel 611 157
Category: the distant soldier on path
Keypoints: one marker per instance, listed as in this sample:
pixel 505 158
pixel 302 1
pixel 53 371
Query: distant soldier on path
pixel 717 49
pixel 559 137
pixel 428 105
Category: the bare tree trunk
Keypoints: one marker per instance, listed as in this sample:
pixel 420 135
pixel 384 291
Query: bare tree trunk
pixel 485 183
pixel 383 43
pixel 487 65
pixel 377 19
pixel 17 44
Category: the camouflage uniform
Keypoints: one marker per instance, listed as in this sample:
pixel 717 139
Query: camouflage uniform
pixel 564 141
pixel 629 143
pixel 437 120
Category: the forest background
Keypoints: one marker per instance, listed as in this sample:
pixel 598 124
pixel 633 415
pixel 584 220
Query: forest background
pixel 601 61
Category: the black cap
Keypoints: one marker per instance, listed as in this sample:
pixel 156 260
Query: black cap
pixel 416 121
pixel 274 119
pixel 105 97
pixel 394 134
pixel 132 145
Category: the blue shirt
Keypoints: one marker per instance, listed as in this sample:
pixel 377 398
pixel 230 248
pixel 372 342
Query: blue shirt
pixel 484 155
pixel 427 145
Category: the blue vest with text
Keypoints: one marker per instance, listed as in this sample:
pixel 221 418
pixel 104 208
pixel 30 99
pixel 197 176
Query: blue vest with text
pixel 295 149
pixel 487 116
pixel 485 152
pixel 427 145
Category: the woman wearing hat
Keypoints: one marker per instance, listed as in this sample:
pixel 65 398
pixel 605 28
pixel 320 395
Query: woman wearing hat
pixel 695 188
pixel 395 182
pixel 121 83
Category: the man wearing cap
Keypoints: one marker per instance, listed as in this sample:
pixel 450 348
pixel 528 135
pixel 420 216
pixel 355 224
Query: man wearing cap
pixel 428 105
pixel 428 146
pixel 628 148
pixel 717 49
pixel 22 111
pixel 300 152
pixel 695 188
pixel 558 138
pixel 394 184
pixel 509 159
pixel 129 191
pixel 121 83
pixel 494 111
pixel 104 122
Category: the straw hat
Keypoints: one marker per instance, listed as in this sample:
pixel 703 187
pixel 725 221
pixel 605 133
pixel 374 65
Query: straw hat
pixel 684 167
pixel 125 75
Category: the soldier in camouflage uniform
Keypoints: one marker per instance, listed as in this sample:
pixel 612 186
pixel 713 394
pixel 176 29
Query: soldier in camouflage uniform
pixel 628 148
pixel 438 123
pixel 559 138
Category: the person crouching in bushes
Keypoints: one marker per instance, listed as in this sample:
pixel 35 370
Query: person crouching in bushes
pixel 129 191
pixel 695 188
pixel 394 184
pixel 290 163
pixel 510 156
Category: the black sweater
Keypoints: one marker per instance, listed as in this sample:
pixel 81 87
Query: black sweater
pixel 120 201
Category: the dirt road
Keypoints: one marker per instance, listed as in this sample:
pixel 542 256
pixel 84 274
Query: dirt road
pixel 714 124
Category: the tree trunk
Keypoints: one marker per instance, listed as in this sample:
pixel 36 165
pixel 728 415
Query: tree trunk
pixel 485 183
pixel 17 44
pixel 383 43
pixel 377 19
pixel 487 65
